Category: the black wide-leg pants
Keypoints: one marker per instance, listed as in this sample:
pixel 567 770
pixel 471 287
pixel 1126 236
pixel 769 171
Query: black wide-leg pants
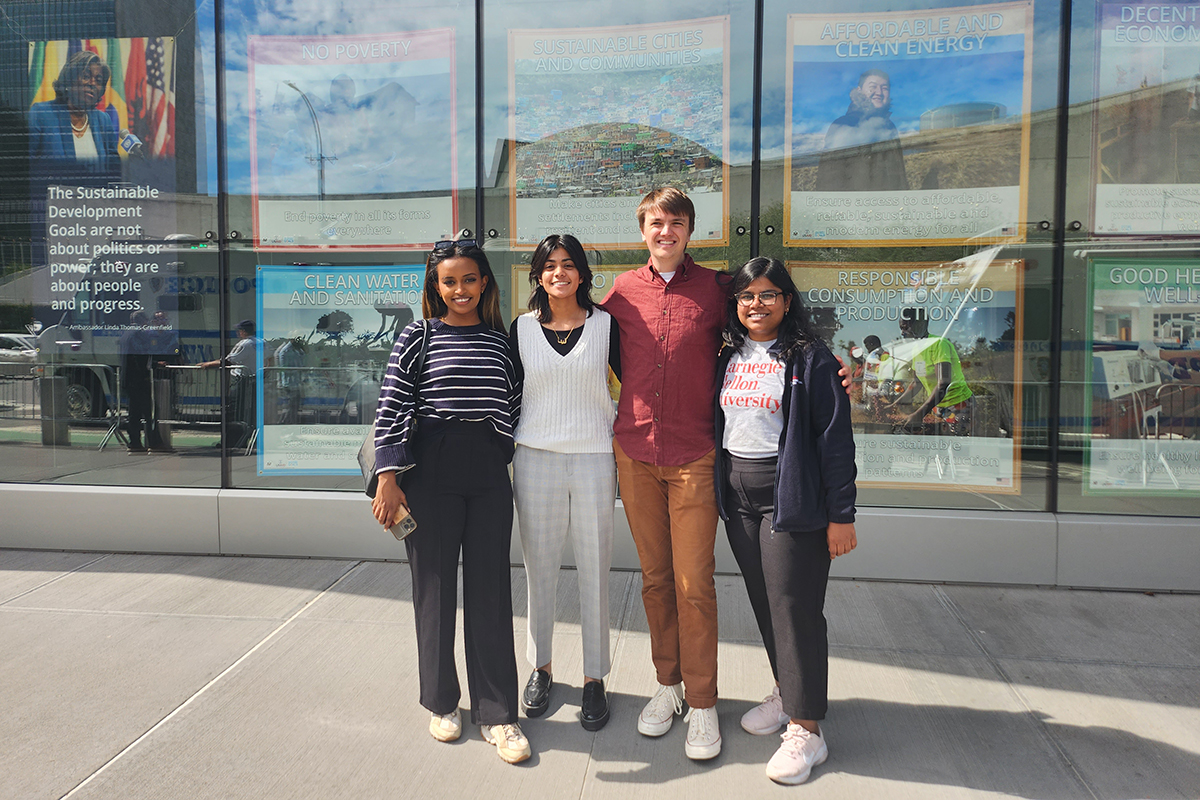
pixel 786 575
pixel 461 499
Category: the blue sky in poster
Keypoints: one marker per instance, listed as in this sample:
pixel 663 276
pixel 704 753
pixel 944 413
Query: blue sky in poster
pixel 822 87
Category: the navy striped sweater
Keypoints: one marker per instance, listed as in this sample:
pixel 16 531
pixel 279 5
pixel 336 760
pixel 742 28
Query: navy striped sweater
pixel 468 377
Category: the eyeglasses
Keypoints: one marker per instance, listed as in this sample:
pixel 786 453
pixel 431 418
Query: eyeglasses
pixel 450 244
pixel 767 298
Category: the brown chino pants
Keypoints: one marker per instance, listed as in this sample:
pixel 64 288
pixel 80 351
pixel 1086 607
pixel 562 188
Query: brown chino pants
pixel 672 512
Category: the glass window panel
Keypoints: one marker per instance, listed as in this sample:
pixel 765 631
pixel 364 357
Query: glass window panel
pixel 351 149
pixel 588 106
pixel 1131 357
pixel 907 167
pixel 109 276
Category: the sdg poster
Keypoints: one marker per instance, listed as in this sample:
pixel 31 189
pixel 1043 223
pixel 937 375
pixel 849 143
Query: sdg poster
pixel 98 221
pixel 908 127
pixel 902 327
pixel 352 140
pixel 326 334
pixel 1146 134
pixel 1144 381
pixel 600 116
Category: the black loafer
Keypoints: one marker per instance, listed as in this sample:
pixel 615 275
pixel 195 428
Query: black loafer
pixel 593 712
pixel 536 697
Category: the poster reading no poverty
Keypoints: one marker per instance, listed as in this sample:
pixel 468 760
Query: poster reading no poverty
pixel 908 127
pixel 352 140
pixel 599 116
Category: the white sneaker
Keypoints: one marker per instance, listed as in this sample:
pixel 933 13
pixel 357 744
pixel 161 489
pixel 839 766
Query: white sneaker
pixel 510 743
pixel 704 734
pixel 659 713
pixel 447 727
pixel 767 716
pixel 799 753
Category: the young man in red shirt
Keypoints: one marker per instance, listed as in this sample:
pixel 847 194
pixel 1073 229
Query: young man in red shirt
pixel 671 313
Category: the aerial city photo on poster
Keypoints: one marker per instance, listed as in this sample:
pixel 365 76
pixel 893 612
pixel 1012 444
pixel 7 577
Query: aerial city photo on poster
pixel 325 337
pixel 908 127
pixel 937 359
pixel 1146 119
pixel 599 116
pixel 1144 398
pixel 105 221
pixel 352 139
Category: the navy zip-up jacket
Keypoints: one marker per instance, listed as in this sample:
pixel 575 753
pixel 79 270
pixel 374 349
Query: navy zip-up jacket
pixel 815 472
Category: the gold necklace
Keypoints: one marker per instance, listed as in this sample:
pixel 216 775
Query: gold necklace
pixel 562 339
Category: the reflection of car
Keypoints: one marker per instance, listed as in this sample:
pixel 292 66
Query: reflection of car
pixel 17 347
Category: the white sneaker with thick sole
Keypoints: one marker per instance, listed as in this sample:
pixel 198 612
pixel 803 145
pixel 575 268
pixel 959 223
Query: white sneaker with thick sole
pixel 510 743
pixel 446 727
pixel 767 716
pixel 704 734
pixel 800 752
pixel 659 713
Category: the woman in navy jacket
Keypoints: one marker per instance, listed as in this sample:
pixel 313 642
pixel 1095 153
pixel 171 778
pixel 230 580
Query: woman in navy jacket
pixel 785 488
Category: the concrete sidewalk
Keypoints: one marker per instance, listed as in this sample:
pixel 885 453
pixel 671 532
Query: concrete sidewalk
pixel 139 676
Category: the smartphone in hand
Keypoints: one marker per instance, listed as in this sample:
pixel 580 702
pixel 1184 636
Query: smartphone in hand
pixel 402 525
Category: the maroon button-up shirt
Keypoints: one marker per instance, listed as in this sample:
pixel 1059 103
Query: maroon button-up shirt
pixel 670 337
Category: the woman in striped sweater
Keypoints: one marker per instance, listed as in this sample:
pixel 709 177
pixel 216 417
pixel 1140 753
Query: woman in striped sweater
pixel 564 475
pixel 452 474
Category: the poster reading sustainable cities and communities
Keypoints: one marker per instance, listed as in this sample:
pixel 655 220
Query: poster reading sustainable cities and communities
pixel 352 140
pixel 908 127
pixel 1144 386
pixel 599 116
pixel 1146 134
pixel 326 333
pixel 907 327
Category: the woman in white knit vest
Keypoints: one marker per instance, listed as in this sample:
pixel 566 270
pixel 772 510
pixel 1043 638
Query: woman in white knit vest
pixel 564 475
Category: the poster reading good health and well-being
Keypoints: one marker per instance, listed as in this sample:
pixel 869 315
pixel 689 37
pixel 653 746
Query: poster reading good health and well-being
pixel 1144 377
pixel 1146 134
pixel 352 139
pixel 600 116
pixel 912 333
pixel 908 127
pixel 325 337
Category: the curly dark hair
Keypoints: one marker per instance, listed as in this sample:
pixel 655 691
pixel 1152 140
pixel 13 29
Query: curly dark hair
pixel 795 332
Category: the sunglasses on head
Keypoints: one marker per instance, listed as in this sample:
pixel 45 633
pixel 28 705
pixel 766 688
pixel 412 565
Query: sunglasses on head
pixel 450 244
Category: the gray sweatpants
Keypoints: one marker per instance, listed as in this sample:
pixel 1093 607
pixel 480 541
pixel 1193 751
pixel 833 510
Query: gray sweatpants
pixel 561 494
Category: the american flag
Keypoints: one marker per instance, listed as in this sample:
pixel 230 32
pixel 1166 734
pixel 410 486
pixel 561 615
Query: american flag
pixel 160 98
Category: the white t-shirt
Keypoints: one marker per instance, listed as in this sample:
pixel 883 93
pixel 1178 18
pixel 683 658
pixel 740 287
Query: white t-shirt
pixel 752 400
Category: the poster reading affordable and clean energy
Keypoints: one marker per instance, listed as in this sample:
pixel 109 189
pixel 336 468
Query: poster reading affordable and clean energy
pixel 1146 133
pixel 600 116
pixel 1144 380
pixel 325 334
pixel 352 140
pixel 908 127
pixel 912 333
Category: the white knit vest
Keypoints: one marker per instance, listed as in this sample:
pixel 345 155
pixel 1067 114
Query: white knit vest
pixel 566 406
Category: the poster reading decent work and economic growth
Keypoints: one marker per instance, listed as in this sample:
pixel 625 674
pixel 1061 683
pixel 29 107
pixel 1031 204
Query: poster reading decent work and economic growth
pixel 101 120
pixel 913 332
pixel 908 127
pixel 352 139
pixel 599 116
pixel 1147 119
pixel 1144 398
pixel 326 333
